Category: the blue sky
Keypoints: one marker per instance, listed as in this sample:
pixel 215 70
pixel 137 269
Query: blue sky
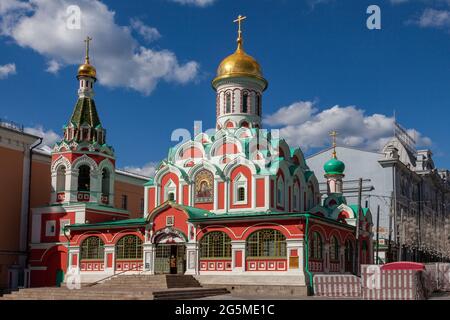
pixel 156 59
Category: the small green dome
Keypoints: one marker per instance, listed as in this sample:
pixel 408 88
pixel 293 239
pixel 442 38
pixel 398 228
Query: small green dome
pixel 334 166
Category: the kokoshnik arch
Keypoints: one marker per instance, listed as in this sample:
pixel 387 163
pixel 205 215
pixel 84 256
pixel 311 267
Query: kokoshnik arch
pixel 238 202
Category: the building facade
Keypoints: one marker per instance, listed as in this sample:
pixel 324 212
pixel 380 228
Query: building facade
pixel 236 202
pixel 417 227
pixel 27 180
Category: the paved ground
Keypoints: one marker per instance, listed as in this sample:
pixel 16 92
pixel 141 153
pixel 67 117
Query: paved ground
pixel 435 296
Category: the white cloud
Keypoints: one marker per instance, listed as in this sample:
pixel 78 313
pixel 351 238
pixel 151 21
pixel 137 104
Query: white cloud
pixel 293 114
pixel 198 3
pixel 148 33
pixel 7 69
pixel 398 1
pixel 11 5
pixel 121 61
pixel 53 66
pixel 49 136
pixel 432 18
pixel 148 169
pixel 356 129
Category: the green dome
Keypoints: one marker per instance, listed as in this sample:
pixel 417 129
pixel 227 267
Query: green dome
pixel 334 166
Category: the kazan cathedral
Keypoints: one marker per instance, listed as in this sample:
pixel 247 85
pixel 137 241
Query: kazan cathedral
pixel 237 203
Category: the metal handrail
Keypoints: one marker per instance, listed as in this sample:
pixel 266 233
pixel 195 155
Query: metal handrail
pixel 111 276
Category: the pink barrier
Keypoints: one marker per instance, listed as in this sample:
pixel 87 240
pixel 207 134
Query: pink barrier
pixel 343 285
pixel 390 284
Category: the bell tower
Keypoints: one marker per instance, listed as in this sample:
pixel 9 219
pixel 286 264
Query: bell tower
pixel 83 165
pixel 239 85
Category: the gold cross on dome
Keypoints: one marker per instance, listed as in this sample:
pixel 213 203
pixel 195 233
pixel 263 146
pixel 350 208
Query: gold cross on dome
pixel 333 135
pixel 239 20
pixel 87 40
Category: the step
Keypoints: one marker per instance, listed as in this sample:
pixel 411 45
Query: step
pixel 188 294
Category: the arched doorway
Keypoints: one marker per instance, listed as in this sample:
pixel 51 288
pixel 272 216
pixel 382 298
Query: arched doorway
pixel 170 252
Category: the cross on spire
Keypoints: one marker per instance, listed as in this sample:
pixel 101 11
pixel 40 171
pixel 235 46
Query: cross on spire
pixel 87 40
pixel 239 20
pixel 333 135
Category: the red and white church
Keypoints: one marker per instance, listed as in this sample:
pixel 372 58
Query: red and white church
pixel 235 202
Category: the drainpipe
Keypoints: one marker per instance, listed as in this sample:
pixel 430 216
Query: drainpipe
pixel 307 256
pixel 27 224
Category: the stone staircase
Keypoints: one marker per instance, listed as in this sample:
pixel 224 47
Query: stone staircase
pixel 124 287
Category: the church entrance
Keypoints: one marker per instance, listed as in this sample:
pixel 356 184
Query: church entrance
pixel 170 259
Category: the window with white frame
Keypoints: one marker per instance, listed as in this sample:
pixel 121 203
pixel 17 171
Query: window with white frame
pixel 240 189
pixel 280 191
pixel 50 228
pixel 62 224
pixel 170 191
pixel 170 220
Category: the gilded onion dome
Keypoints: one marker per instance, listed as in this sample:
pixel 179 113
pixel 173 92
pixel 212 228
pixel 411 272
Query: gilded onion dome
pixel 86 69
pixel 239 64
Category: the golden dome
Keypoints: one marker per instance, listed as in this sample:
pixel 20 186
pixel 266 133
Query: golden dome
pixel 87 70
pixel 239 64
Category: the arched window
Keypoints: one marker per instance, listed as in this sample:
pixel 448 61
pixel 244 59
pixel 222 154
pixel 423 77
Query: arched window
pixel 241 194
pixel 171 196
pixel 215 244
pixel 280 191
pixel 245 102
pixel 334 249
pixel 228 102
pixel 129 247
pixel 105 182
pixel 84 178
pixel 92 248
pixel 348 256
pixel 316 247
pixel 61 179
pixel 240 189
pixel 266 243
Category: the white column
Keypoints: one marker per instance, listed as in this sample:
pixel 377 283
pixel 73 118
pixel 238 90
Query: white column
pixel 295 244
pixel 253 182
pixel 71 185
pixel 72 251
pixel 237 245
pixel 192 257
pixel 148 256
pixel 216 194
pixel 54 186
pixel 227 194
pixel 95 188
pixel 110 249
pixel 267 193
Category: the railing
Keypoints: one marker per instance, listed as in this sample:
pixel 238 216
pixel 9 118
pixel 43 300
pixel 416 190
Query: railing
pixel 11 125
pixel 112 276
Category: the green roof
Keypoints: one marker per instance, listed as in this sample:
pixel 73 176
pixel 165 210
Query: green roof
pixel 354 207
pixel 110 224
pixel 85 112
pixel 334 166
pixel 150 182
